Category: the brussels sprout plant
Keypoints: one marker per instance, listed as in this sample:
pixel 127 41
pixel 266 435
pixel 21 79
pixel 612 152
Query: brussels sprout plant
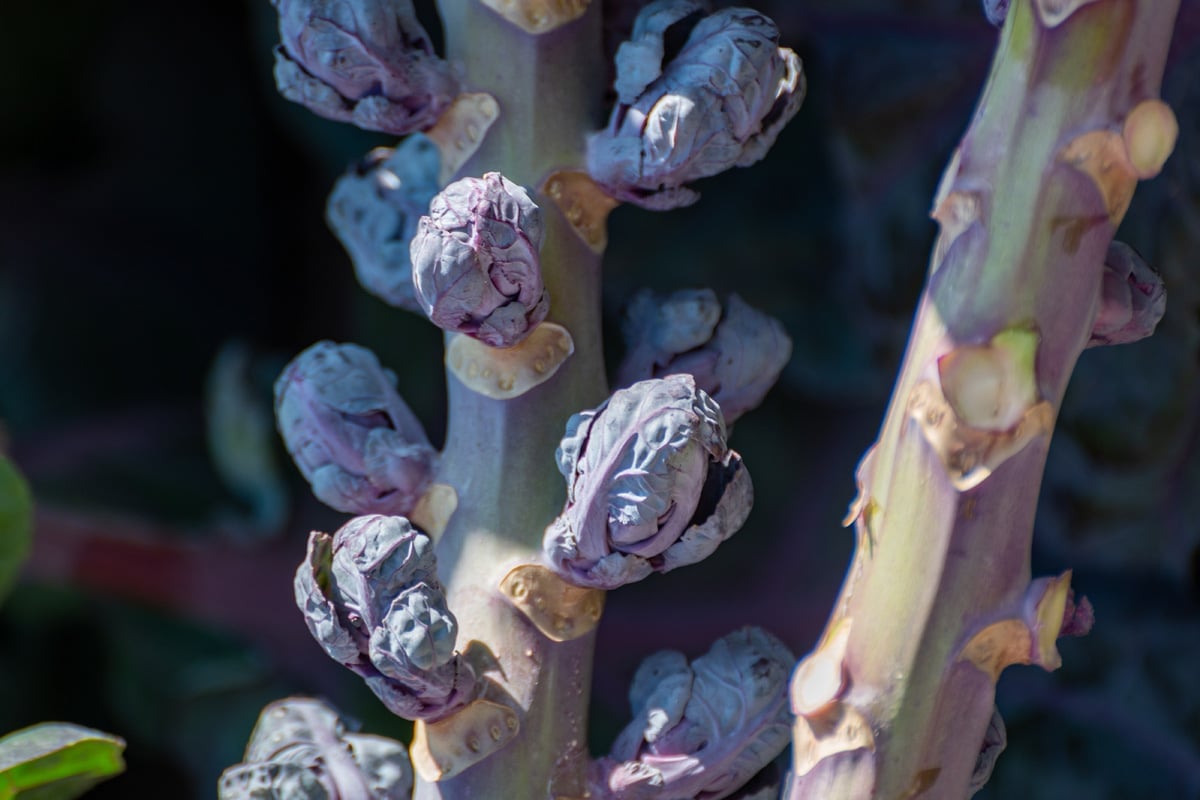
pixel 468 590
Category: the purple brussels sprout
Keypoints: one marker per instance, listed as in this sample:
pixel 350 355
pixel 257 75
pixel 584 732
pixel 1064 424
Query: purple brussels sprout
pixel 718 103
pixel 475 260
pixel 735 355
pixel 1133 298
pixel 371 598
pixel 368 62
pixel 300 748
pixel 704 729
pixel 374 209
pixel 651 485
pixel 350 434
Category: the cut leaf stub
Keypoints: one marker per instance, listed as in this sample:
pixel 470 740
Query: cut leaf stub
pixel 1027 633
pixel 984 407
pixel 560 610
pixel 651 485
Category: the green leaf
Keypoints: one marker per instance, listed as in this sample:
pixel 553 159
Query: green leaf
pixel 56 761
pixel 16 524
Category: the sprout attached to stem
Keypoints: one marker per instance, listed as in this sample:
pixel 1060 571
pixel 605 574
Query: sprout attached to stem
pixel 475 260
pixel 371 598
pixel 351 435
pixel 651 485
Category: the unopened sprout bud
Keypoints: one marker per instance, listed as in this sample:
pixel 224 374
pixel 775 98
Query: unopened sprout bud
pixel 720 102
pixel 368 62
pixel 702 729
pixel 350 434
pixel 302 750
pixel 735 354
pixel 371 598
pixel 1133 298
pixel 374 209
pixel 475 261
pixel 651 485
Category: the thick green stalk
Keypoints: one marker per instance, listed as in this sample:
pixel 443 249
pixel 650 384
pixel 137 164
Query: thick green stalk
pixel 499 454
pixel 897 697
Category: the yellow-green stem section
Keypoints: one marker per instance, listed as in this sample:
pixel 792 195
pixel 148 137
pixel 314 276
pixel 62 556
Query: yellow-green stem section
pixel 939 562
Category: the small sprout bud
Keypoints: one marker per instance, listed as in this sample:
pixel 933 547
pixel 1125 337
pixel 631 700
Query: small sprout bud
pixel 1150 132
pixel 370 63
pixel 735 357
pixel 702 729
pixel 374 209
pixel 983 408
pixel 990 387
pixel 301 749
pixel 350 434
pixel 1132 298
pixel 475 261
pixel 651 485
pixel 720 102
pixel 371 598
pixel 820 677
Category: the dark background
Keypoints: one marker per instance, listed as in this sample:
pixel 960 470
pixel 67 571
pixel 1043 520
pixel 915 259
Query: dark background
pixel 159 202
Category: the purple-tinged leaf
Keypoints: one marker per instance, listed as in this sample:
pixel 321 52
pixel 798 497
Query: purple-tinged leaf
pixel 475 261
pixel 350 434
